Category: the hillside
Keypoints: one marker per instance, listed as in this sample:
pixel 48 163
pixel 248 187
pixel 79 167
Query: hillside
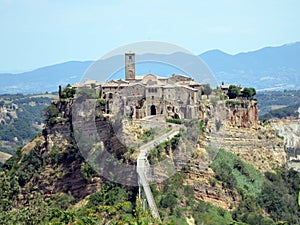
pixel 21 119
pixel 48 180
pixel 278 104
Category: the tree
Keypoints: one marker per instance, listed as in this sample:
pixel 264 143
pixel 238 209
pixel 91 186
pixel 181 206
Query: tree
pixel 233 92
pixel 50 113
pixel 248 92
pixel 206 89
pixel 59 91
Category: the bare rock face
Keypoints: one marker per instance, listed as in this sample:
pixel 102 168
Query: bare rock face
pixel 202 178
pixel 289 130
pixel 260 147
pixel 234 128
pixel 243 115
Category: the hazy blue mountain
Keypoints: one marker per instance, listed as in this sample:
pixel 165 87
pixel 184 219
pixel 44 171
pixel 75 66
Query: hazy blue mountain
pixel 265 69
pixel 43 79
pixel 270 68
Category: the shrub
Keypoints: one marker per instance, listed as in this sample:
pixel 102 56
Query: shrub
pixel 233 102
pixel 233 92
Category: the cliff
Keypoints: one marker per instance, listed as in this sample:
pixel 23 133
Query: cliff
pixel 53 165
pixel 234 128
pixel 289 131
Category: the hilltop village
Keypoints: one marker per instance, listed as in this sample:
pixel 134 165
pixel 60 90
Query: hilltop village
pixel 222 183
pixel 175 97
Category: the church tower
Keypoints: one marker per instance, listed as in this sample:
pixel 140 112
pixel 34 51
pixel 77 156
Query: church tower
pixel 129 66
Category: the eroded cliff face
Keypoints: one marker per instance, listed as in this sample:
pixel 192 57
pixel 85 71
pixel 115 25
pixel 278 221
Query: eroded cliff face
pixel 241 113
pixel 260 147
pixel 230 126
pixel 58 165
pixel 234 128
pixel 289 130
pixel 202 178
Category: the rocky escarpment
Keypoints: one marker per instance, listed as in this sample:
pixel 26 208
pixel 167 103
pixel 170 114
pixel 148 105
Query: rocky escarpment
pixel 202 178
pixel 231 125
pixel 289 130
pixel 260 147
pixel 52 164
pixel 235 129
pixel 242 113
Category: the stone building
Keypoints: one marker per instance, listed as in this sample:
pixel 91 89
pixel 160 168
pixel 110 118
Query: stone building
pixel 178 97
pixel 139 96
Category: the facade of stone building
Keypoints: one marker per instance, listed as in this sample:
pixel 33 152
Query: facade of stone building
pixel 139 96
pixel 150 96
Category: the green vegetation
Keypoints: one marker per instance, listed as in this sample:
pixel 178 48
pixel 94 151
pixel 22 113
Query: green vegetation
pixel 298 196
pixel 233 92
pixel 68 92
pixel 268 100
pixel 160 152
pixel 221 95
pixel 22 119
pixel 101 104
pixel 248 92
pixel 233 102
pixel 290 111
pixel 112 205
pixel 278 104
pixel 148 135
pixel 234 173
pixel 25 180
pixel 176 121
pixel 278 195
pixel 206 89
pixel 177 202
pixel 274 193
pixel 50 114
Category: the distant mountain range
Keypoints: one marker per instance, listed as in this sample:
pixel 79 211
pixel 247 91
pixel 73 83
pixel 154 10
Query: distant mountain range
pixel 270 68
pixel 45 79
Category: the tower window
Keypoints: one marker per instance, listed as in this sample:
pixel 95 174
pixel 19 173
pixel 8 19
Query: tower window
pixel 130 58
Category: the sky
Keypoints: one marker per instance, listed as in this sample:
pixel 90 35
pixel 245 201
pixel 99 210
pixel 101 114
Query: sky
pixel 37 33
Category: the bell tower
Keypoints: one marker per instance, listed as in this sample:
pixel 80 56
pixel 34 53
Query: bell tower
pixel 130 66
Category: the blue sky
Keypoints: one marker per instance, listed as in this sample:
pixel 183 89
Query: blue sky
pixel 36 33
